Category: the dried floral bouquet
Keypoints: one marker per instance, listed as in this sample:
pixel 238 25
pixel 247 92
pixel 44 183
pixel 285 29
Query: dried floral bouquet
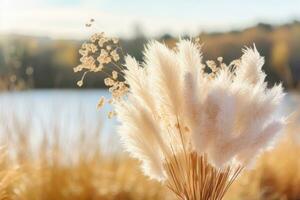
pixel 193 126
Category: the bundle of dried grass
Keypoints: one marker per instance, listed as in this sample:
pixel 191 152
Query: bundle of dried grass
pixel 193 126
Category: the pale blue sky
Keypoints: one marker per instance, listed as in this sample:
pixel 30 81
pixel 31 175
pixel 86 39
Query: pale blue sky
pixel 66 18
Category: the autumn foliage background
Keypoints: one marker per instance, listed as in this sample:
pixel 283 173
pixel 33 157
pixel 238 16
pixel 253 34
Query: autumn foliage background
pixel 52 60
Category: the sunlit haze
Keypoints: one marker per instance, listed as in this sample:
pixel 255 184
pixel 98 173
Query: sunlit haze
pixel 66 18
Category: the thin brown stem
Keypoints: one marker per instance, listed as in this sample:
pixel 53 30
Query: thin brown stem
pixel 198 179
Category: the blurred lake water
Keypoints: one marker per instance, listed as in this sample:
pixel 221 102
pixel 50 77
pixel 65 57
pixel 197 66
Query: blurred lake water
pixel 71 108
pixel 68 113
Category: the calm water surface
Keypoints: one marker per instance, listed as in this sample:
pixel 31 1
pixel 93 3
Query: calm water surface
pixel 72 108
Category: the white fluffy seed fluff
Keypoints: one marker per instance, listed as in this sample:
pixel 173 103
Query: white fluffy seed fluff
pixel 227 115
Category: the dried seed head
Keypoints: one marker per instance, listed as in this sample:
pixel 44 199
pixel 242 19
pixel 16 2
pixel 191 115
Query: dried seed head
pixel 101 102
pixel 111 114
pixel 114 75
pixel 100 52
pixel 78 68
pixel 109 82
pixel 80 83
pixel 220 59
pixel 115 55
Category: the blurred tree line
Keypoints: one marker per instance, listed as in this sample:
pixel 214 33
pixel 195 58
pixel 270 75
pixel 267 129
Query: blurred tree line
pixel 38 62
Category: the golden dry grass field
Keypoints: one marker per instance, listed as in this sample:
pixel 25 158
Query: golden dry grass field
pixel 87 171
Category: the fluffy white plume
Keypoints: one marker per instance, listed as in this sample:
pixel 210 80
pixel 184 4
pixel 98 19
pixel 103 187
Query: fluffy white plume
pixel 173 106
pixel 136 77
pixel 164 76
pixel 251 67
pixel 140 136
